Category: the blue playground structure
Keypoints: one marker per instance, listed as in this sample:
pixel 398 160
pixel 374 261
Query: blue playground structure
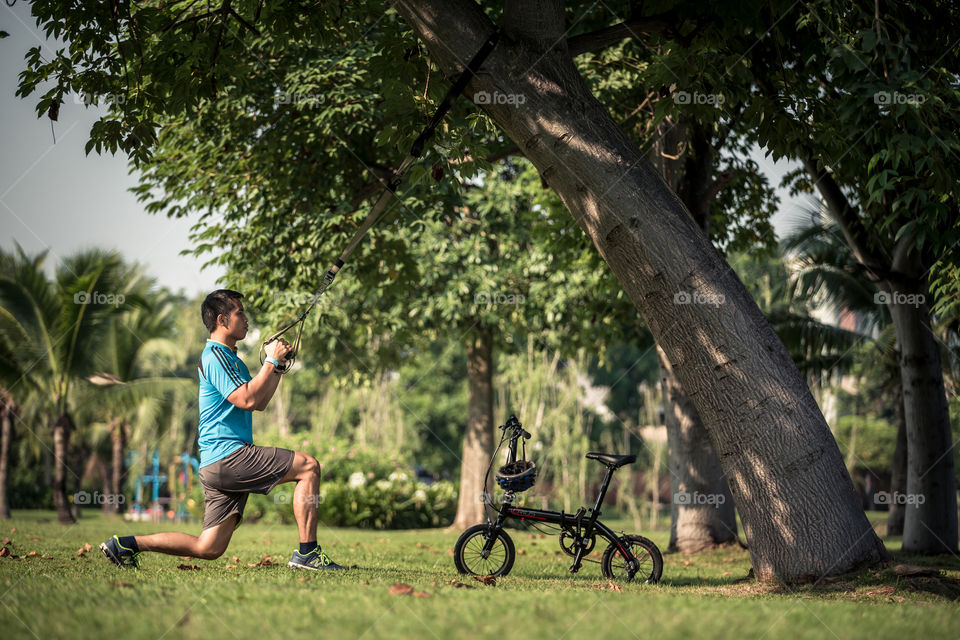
pixel 173 505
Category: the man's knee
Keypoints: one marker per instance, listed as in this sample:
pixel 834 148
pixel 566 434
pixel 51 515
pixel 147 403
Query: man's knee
pixel 309 467
pixel 210 550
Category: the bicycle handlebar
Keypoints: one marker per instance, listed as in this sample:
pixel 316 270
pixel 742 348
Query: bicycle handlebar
pixel 514 425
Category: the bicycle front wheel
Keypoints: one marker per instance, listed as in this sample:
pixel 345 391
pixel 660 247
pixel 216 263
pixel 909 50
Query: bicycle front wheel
pixel 469 557
pixel 649 560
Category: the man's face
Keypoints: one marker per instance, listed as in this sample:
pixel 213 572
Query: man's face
pixel 236 322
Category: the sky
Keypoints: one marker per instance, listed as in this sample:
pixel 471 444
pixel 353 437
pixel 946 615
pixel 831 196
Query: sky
pixel 54 197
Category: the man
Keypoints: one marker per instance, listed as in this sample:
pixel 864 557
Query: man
pixel 231 466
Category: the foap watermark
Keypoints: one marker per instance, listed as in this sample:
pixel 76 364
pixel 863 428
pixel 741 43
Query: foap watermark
pixel 87 99
pixel 293 298
pixel 885 98
pixel 512 99
pixel 498 498
pixel 490 298
pixel 86 498
pixel 687 498
pixel 696 297
pixel 898 298
pixel 885 497
pixel 290 498
pixel 300 100
pixel 97 297
pixel 695 97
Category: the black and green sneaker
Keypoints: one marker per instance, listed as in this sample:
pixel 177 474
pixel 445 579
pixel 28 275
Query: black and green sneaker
pixel 316 560
pixel 120 555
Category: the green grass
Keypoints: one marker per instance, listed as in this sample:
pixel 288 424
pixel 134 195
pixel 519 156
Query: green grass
pixel 58 594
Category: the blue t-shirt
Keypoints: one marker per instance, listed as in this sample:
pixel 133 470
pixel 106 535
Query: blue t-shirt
pixel 224 427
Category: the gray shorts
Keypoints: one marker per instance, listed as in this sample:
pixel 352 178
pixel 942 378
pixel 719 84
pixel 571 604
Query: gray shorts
pixel 227 482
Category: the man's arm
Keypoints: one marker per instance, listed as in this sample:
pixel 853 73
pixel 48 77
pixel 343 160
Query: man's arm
pixel 254 395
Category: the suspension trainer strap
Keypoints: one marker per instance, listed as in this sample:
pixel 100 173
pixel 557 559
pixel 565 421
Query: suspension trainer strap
pixel 390 189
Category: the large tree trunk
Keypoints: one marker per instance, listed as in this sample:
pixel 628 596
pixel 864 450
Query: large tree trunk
pixel 61 447
pixel 6 437
pixel 898 474
pixel 478 439
pixel 930 512
pixel 801 515
pixel 702 512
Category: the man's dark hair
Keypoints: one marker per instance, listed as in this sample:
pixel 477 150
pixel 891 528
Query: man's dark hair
pixel 221 301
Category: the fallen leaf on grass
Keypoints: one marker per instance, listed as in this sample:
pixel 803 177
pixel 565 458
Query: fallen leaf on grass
pixel 4 552
pixel 421 594
pixel 459 585
pixel 14 530
pixel 32 554
pixel 610 586
pixel 487 580
pixel 522 552
pixel 882 591
pixel 303 579
pixel 81 553
pixel 686 563
pixel 401 589
pixel 6 541
pixel 236 560
pixel 266 562
pixel 231 566
pixel 420 545
pixel 34 539
pixel 188 567
pixel 449 552
pixel 87 546
pixel 914 570
pixel 119 584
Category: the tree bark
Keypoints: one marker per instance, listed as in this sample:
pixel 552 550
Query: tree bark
pixel 898 473
pixel 6 437
pixel 118 471
pixel 478 439
pixel 930 512
pixel 702 513
pixel 800 512
pixel 61 447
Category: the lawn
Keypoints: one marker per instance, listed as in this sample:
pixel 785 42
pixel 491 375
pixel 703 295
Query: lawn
pixel 57 593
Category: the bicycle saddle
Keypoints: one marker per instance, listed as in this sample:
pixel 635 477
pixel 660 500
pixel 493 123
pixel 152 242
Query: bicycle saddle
pixel 612 459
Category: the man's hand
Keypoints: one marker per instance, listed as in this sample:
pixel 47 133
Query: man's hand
pixel 279 349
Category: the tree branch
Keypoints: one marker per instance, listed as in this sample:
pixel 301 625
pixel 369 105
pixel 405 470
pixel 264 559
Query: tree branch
pixel 603 38
pixel 847 217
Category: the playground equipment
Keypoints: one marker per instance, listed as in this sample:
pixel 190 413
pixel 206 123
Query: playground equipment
pixel 173 506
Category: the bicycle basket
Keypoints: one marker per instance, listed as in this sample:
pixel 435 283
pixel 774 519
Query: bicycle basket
pixel 517 476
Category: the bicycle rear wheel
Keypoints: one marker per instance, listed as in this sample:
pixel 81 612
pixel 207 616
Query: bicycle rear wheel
pixel 469 557
pixel 649 560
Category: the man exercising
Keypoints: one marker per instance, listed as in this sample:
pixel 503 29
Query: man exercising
pixel 231 466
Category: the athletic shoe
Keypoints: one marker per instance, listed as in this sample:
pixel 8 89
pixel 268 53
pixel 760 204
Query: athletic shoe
pixel 120 555
pixel 316 560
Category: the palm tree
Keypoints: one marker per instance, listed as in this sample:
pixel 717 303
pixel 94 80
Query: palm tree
pixel 140 365
pixel 52 330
